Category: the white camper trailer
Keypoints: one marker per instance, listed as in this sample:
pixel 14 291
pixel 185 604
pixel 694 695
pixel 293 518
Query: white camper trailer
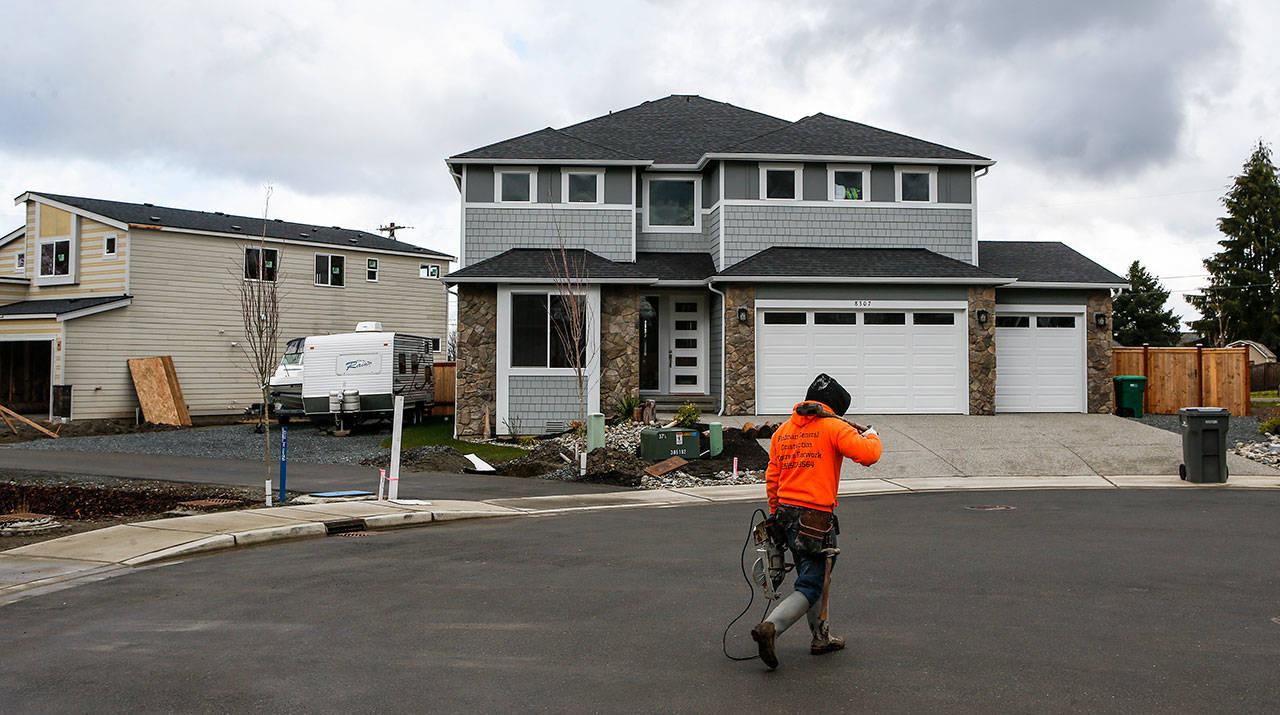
pixel 285 385
pixel 350 377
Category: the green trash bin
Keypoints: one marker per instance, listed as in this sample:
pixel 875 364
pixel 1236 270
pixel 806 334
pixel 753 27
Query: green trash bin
pixel 1129 392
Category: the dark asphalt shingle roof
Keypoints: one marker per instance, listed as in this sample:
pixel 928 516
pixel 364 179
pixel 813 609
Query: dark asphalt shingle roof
pixel 680 129
pixel 822 134
pixel 56 306
pixel 544 263
pixel 855 263
pixel 675 266
pixel 240 225
pixel 1042 261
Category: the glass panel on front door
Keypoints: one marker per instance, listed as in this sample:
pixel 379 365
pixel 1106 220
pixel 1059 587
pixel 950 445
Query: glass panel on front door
pixel 685 359
pixel 650 344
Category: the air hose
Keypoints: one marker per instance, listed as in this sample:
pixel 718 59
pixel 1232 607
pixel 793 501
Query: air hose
pixel 742 562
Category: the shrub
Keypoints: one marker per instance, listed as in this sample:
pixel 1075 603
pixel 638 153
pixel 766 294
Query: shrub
pixel 688 415
pixel 627 405
pixel 1271 426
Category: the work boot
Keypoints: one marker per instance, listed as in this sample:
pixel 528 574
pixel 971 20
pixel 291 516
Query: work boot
pixel 823 641
pixel 786 613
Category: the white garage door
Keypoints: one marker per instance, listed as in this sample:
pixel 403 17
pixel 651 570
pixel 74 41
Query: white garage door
pixel 1039 362
pixel 890 361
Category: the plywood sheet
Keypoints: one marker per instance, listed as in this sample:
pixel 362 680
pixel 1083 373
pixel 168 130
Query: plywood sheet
pixel 156 382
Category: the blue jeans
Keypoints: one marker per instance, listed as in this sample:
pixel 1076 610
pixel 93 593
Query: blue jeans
pixel 810 570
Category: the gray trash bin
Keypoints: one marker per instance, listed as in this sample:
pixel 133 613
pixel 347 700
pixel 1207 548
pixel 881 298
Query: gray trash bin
pixel 1204 443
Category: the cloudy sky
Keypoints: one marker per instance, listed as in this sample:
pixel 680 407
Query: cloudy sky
pixel 1117 125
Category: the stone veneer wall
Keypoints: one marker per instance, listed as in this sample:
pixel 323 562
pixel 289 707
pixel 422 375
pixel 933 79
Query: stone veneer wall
pixel 1098 341
pixel 477 358
pixel 740 351
pixel 982 352
pixel 619 345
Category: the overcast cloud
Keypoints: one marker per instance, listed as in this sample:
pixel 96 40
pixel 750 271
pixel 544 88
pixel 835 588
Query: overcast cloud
pixel 1117 126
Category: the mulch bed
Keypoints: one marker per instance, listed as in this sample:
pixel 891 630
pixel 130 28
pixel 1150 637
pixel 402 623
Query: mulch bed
pixel 751 456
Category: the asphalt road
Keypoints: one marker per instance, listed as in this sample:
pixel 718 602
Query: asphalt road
pixel 1083 600
pixel 300 476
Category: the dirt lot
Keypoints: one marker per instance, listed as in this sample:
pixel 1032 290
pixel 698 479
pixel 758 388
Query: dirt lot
pixel 94 428
pixel 87 503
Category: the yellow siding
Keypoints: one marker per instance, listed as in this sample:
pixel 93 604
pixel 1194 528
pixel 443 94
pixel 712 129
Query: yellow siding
pixel 186 305
pixel 99 274
pixel 7 255
pixel 12 293
pixel 54 222
pixel 39 329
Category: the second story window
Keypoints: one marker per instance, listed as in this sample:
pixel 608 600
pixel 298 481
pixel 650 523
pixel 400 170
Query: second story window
pixel 20 262
pixel 583 187
pixel 371 270
pixel 260 264
pixel 428 270
pixel 919 184
pixel 673 203
pixel 849 182
pixel 55 258
pixel 109 246
pixel 331 270
pixel 779 181
pixel 516 185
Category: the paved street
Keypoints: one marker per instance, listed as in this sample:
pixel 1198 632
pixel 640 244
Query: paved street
pixel 1117 600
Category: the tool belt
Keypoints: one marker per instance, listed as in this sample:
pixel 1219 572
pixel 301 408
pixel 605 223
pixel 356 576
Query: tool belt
pixel 815 529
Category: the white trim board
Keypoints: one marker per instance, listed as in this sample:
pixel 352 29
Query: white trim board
pixel 861 304
pixel 71 209
pixel 1019 309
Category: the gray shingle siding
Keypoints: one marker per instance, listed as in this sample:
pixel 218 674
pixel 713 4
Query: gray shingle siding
pixel 711 234
pixel 671 242
pixel 755 228
pixel 533 401
pixel 492 230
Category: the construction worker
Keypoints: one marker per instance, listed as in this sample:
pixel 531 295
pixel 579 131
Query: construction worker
pixel 804 472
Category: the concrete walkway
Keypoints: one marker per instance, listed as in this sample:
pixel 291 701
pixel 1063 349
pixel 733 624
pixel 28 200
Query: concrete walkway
pixel 92 555
pixel 1021 445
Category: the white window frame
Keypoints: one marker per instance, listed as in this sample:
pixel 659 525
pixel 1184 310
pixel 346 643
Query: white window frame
pixel 115 245
pixel 796 169
pixel 564 185
pixel 696 178
pixel 932 171
pixel 263 267
pixel 328 274
pixel 864 169
pixel 20 262
pixel 51 277
pixel 433 271
pixel 533 184
pixel 374 269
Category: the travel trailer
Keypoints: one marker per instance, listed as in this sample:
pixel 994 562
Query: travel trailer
pixel 352 377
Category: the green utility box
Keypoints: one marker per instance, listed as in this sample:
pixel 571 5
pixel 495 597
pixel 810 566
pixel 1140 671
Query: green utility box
pixel 1129 392
pixel 664 443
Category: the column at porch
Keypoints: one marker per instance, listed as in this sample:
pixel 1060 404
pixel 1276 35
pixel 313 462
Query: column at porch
pixel 1098 352
pixel 740 351
pixel 619 345
pixel 477 359
pixel 982 352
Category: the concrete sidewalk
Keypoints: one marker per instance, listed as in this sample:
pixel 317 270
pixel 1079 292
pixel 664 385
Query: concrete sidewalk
pixel 1021 445
pixel 92 555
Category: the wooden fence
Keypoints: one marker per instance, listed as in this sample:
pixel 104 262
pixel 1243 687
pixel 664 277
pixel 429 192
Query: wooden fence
pixel 444 374
pixel 1188 377
pixel 1265 376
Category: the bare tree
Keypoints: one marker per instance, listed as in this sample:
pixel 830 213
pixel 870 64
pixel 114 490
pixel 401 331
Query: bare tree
pixel 260 315
pixel 571 320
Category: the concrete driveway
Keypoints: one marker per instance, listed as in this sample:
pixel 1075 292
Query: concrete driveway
pixel 1024 445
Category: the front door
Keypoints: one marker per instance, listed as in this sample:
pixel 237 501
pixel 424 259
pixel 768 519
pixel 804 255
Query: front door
pixel 686 360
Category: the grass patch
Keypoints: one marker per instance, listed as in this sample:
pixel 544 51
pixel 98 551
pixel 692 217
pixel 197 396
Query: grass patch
pixel 1263 394
pixel 439 431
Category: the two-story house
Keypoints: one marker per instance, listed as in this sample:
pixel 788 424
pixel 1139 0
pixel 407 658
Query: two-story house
pixel 728 256
pixel 87 284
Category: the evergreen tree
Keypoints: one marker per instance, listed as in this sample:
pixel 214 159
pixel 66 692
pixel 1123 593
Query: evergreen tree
pixel 1139 315
pixel 1242 300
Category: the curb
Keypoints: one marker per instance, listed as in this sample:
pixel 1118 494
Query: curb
pixel 92 555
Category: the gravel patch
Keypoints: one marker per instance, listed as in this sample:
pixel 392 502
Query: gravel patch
pixel 1240 429
pixel 306 444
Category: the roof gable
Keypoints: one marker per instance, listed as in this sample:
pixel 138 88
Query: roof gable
pixel 1043 262
pixel 217 222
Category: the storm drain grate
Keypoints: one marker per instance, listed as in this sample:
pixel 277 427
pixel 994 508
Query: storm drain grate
pixel 211 503
pixel 991 507
pixel 360 533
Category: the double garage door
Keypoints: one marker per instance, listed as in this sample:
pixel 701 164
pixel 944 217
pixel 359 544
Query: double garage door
pixel 1039 361
pixel 890 361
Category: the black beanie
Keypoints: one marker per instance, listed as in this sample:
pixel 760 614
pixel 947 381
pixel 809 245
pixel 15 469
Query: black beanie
pixel 826 390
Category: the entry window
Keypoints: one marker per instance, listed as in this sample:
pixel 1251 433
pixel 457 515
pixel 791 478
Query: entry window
pixel 933 318
pixel 672 203
pixel 687 343
pixel 55 258
pixel 785 318
pixel 779 182
pixel 583 187
pixel 1013 321
pixel 1055 321
pixel 331 270
pixel 686 379
pixel 686 362
pixel 686 307
pixel 517 186
pixel 686 325
pixel 885 319
pixel 835 318
pixel 371 270
pixel 260 264
pixel 542 332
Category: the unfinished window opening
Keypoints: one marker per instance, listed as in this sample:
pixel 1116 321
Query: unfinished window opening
pixel 330 270
pixel 260 264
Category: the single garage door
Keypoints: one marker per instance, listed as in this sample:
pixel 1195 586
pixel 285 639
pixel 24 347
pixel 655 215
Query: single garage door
pixel 1039 362
pixel 890 361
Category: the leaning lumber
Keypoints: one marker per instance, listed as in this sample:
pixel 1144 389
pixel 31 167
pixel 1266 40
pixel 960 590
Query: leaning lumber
pixel 159 394
pixel 666 465
pixel 10 413
pixel 8 422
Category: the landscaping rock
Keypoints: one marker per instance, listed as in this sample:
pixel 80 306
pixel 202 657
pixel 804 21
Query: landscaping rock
pixel 1266 451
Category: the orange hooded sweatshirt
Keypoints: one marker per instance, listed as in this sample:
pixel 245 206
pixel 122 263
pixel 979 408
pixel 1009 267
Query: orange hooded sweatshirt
pixel 805 458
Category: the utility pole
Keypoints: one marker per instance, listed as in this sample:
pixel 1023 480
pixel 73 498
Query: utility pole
pixel 391 228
